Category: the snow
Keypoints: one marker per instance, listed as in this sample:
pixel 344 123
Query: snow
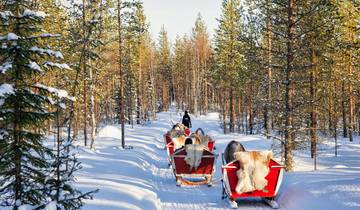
pixel 109 132
pixel 94 21
pixel 10 37
pixel 6 14
pixel 51 206
pixel 5 66
pixel 26 207
pixel 62 105
pixel 35 66
pixel 37 14
pixel 141 179
pixel 56 54
pixel 58 65
pixel 49 35
pixel 3 133
pixel 45 36
pixel 6 89
pixel 58 92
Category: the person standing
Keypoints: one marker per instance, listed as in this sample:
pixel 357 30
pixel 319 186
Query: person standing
pixel 186 120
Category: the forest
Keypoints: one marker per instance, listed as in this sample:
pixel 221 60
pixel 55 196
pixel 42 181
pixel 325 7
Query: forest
pixel 285 69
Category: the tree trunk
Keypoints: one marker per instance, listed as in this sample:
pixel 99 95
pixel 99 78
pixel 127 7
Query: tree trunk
pixel 267 115
pixel 345 128
pixel 139 90
pixel 238 113
pixel 232 111
pixel 164 97
pixel 58 153
pixel 121 79
pixel 335 122
pixel 351 100
pixel 251 115
pixel 194 85
pixel 313 112
pixel 206 95
pixel 85 77
pixel 17 162
pixel 289 89
pixel 92 108
pixel 224 111
pixel 85 114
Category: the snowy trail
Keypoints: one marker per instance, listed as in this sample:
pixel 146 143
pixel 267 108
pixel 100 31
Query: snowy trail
pixel 141 179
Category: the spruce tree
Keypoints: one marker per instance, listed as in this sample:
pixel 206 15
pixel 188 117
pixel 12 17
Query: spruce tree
pixel 26 103
pixel 23 158
pixel 60 179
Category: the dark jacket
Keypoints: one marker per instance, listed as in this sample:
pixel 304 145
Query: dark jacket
pixel 186 120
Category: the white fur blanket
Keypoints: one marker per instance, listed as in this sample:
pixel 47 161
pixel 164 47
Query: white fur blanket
pixel 253 170
pixel 193 155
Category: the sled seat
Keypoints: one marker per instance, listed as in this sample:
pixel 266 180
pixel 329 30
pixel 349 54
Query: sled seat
pixel 230 181
pixel 185 175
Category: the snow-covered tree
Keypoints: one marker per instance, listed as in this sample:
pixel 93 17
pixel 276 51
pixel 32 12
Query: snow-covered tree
pixel 25 104
pixel 59 182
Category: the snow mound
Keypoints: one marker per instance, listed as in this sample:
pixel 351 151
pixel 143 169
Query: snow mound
pixel 110 132
pixel 340 166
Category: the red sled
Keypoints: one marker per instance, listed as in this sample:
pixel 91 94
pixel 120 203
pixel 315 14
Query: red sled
pixel 185 175
pixel 230 180
pixel 169 145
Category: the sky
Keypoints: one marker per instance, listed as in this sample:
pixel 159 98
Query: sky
pixel 178 16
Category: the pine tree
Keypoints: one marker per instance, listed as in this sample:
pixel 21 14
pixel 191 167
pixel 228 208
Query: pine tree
pixel 202 52
pixel 228 53
pixel 87 29
pixel 131 29
pixel 25 163
pixel 24 108
pixel 165 70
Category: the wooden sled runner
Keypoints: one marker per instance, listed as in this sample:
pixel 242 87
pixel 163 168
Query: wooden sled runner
pixel 230 179
pixel 185 175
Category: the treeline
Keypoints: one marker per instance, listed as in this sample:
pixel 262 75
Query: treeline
pixel 286 69
pixel 291 67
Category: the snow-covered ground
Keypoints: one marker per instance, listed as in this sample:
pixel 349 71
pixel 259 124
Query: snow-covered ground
pixel 141 179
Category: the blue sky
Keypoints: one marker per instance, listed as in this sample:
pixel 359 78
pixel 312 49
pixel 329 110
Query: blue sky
pixel 178 16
